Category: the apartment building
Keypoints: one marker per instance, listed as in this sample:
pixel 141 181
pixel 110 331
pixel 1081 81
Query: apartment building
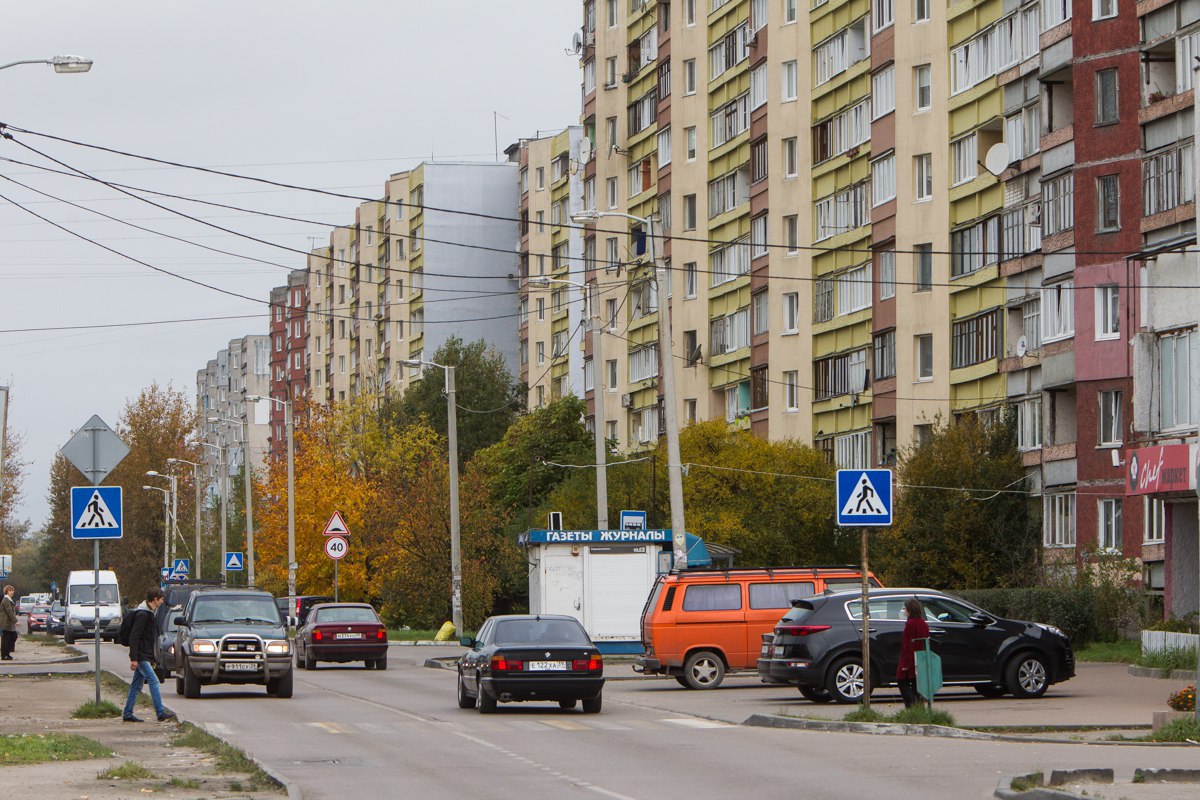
pixel 436 257
pixel 289 330
pixel 554 346
pixel 241 369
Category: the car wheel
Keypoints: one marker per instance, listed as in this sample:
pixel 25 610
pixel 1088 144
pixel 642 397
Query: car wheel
pixel 69 636
pixel 179 687
pixel 161 674
pixel 310 661
pixel 191 682
pixel 991 689
pixel 845 682
pixel 281 686
pixel 381 663
pixel 704 670
pixel 682 681
pixel 1027 676
pixel 567 703
pixel 487 703
pixel 815 694
pixel 464 700
pixel 591 705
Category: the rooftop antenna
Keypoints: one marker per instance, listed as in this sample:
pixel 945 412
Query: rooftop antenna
pixel 496 132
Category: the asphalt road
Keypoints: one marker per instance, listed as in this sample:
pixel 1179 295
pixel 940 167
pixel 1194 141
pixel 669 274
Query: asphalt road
pixel 353 733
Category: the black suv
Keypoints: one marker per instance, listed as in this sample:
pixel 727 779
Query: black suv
pixel 232 636
pixel 818 646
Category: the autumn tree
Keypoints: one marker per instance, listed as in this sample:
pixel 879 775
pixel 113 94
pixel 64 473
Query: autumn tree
pixel 12 530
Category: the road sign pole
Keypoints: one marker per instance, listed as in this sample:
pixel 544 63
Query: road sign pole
pixel 335 580
pixel 95 576
pixel 866 625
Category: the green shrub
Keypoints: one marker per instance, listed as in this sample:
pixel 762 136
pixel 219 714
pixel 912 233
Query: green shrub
pixel 1180 730
pixel 1175 625
pixel 1169 658
pixel 1071 610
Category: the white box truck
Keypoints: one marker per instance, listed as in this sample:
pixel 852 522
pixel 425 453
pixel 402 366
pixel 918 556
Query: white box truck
pixel 84 607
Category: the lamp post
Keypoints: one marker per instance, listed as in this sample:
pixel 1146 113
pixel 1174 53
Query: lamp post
pixel 223 488
pixel 196 481
pixel 667 368
pixel 598 393
pixel 249 500
pixel 455 533
pixel 291 490
pixel 166 517
pixel 61 64
pixel 170 533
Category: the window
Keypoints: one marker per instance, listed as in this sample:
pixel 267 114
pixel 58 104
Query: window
pixel 836 54
pixel 1022 132
pixel 689 137
pixel 1029 424
pixel 853 290
pixel 791 165
pixel 840 374
pixel 1110 418
pixel 612 13
pixel 1108 203
pixel 923 78
pixel 1155 528
pixel 689 12
pixel 758 160
pixel 883 13
pixel 758 236
pixel 689 76
pixel 923 175
pixel 920 10
pixel 1058 209
pixel 923 256
pixel 842 212
pixel 1058 520
pixel 758 86
pixel 689 212
pixel 885 354
pixel 883 89
pixel 1167 179
pixel 1108 533
pixel 730 120
pixel 611 370
pixel 664 147
pixel 791 391
pixel 887 274
pixel 974 247
pixel 1106 96
pixel 924 347
pixel 791 312
pixel 1031 323
pixel 964 154
pixel 789 81
pixel 643 363
pixel 883 179
pixel 689 279
pixel 1108 318
pixel 611 124
pixel 791 234
pixel 975 340
pixel 1178 384
pixel 1058 311
pixel 737 401
pixel 841 132
pixel 610 192
pixel 728 192
pixel 610 72
pixel 1103 9
pixel 730 50
pixel 853 450
pixel 727 263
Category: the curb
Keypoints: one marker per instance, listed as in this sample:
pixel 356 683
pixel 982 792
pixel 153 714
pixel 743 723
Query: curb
pixel 1168 674
pixel 879 728
pixel 79 658
pixel 1004 790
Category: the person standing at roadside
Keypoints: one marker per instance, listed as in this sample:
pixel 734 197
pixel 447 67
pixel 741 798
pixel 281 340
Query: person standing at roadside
pixel 141 658
pixel 916 631
pixel 8 624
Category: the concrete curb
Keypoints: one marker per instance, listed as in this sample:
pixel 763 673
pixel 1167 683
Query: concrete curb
pixel 1168 674
pixel 879 728
pixel 1004 789
pixel 79 657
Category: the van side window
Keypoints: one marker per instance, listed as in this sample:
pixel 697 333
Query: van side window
pixel 670 599
pixel 726 597
pixel 779 595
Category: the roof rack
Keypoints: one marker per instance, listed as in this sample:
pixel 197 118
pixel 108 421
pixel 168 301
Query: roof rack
pixel 814 570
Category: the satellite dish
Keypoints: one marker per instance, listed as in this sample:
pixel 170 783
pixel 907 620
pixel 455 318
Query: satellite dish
pixel 585 150
pixel 997 159
pixel 577 42
pixel 1022 347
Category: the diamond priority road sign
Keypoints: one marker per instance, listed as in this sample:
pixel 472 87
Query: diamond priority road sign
pixel 94 449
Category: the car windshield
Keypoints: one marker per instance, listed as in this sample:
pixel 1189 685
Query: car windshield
pixel 540 631
pixel 351 614
pixel 83 594
pixel 236 609
pixel 57 607
pixel 40 609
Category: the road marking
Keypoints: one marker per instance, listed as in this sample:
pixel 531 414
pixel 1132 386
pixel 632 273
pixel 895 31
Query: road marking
pixel 218 729
pixel 566 725
pixel 329 727
pixel 697 722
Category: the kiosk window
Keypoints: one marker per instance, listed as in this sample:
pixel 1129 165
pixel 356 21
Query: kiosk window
pixel 779 595
pixel 713 598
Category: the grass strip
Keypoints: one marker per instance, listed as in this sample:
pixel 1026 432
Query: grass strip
pixel 93 710
pixel 35 748
pixel 1125 651
pixel 129 771
pixel 1180 730
pixel 228 757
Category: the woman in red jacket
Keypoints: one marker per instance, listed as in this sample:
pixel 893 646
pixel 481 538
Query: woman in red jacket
pixel 916 631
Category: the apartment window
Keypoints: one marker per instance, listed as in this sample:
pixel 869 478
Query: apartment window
pixel 759 313
pixel 758 236
pixel 883 89
pixel 1106 96
pixel 689 212
pixel 834 55
pixel 840 374
pixel 789 11
pixel 1108 533
pixel 691 348
pixel 1031 323
pixel 923 79
pixel 1110 418
pixel 844 211
pixel 737 401
pixel 924 347
pixel 975 340
pixel 1104 9
pixel 664 147
pixel 689 279
pixel 610 312
pixel 885 354
pixel 883 179
pixel 1167 179
pixel 610 192
pixel 1058 311
pixel 853 450
pixel 923 175
pixel 883 13
pixel 1058 520
pixel 839 133
pixel 643 364
pixel 791 391
pixel 791 158
pixel 540 217
pixel 541 309
pixel 964 154
pixel 541 352
pixel 1029 424
pixel 1055 12
pixel 341 365
pixel 729 333
pixel 664 79
pixel 1108 318
pixel 1178 385
pixel 1108 203
pixel 729 121
pixel 789 81
pixel 689 12
pixel 791 312
pixel 791 234
pixel 887 274
pixel 923 256
pixel 611 365
pixel 610 72
pixel 689 76
pixel 1154 530
pixel 758 86
pixel 1058 209
pixel 611 124
pixel 920 10
pixel 1022 132
pixel 689 138
pixel 758 160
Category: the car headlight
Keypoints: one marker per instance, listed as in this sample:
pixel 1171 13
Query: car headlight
pixel 279 648
pixel 115 621
pixel 204 646
pixel 1051 629
pixel 74 621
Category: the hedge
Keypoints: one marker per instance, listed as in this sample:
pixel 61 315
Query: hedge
pixel 1071 610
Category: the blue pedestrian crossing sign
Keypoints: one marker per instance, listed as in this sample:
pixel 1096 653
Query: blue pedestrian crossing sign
pixel 95 512
pixel 864 497
pixel 166 573
pixel 234 561
pixel 181 566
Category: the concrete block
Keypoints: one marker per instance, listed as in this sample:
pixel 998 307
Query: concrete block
pixel 1061 777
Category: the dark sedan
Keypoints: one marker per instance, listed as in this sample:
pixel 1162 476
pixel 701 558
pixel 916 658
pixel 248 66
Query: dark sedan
pixel 342 632
pixel 818 646
pixel 39 617
pixel 530 657
pixel 164 641
pixel 56 621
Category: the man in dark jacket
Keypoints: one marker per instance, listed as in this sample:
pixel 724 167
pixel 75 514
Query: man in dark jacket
pixel 141 657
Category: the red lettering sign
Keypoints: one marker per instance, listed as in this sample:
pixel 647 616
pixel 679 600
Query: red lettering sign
pixel 1158 470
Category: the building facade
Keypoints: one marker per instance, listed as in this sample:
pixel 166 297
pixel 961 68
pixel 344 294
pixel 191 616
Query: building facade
pixel 227 420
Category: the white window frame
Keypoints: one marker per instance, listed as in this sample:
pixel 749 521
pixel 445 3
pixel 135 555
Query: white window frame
pixel 689 77
pixel 923 82
pixel 920 11
pixel 664 146
pixel 883 14
pixel 923 345
pixel 789 81
pixel 1099 12
pixel 1110 422
pixel 883 91
pixel 791 313
pixel 689 143
pixel 883 179
pixel 964 154
pixel 923 176
pixel 758 86
pixel 1029 424
pixel 1178 385
pixel 791 391
pixel 791 157
pixel 887 274
pixel 1108 312
pixel 1058 311
pixel 1154 521
pixel 1058 520
pixel 1108 524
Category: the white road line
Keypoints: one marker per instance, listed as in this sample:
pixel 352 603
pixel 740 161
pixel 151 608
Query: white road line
pixel 697 722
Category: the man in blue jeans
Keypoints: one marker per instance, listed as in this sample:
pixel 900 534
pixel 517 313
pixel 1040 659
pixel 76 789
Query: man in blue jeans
pixel 141 658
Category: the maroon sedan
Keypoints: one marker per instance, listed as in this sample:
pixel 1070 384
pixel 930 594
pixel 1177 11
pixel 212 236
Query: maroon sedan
pixel 39 617
pixel 342 632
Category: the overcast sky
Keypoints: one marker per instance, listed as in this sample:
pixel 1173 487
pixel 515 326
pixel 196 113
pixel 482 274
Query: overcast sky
pixel 323 94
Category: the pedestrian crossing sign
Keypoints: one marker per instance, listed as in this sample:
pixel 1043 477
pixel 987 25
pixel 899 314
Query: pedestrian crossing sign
pixel 95 512
pixel 864 497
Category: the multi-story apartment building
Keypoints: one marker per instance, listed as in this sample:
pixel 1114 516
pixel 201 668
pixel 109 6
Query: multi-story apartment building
pixel 289 330
pixel 241 369
pixel 435 257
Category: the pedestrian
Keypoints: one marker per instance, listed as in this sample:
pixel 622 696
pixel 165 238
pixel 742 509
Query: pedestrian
pixel 8 624
pixel 141 657
pixel 916 632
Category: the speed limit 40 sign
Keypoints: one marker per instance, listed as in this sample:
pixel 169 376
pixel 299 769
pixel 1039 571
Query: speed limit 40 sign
pixel 336 547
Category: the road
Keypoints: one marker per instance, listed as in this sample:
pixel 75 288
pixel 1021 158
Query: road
pixel 353 733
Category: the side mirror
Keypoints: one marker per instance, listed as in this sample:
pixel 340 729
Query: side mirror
pixel 181 622
pixel 466 641
pixel 982 620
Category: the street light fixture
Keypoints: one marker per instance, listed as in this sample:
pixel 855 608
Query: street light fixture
pixel 170 533
pixel 455 532
pixel 667 367
pixel 62 64
pixel 599 420
pixel 246 479
pixel 291 491
pixel 195 480
pixel 166 516
pixel 221 489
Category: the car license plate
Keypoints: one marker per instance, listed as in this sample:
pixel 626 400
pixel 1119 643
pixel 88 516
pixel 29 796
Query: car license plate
pixel 347 636
pixel 778 649
pixel 236 666
pixel 546 666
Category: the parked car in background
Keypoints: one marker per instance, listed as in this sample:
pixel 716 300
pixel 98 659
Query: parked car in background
pixel 818 646
pixel 39 615
pixel 300 608
pixel 164 642
pixel 26 603
pixel 698 625
pixel 56 621
pixel 342 632
pixel 524 657
pixel 88 612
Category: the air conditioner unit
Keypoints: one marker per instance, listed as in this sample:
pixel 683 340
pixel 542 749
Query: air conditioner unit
pixel 1033 215
pixel 626 401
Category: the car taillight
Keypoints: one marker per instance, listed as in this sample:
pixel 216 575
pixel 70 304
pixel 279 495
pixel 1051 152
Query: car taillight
pixel 317 635
pixel 800 630
pixel 381 634
pixel 591 664
pixel 502 664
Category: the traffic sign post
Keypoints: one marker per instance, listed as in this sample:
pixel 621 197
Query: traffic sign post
pixel 336 548
pixel 336 525
pixel 864 499
pixel 633 520
pixel 234 561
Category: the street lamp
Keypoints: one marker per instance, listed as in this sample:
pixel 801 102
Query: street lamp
pixel 667 367
pixel 291 491
pixel 166 516
pixel 224 474
pixel 455 534
pixel 195 480
pixel 61 64
pixel 170 533
pixel 249 501
pixel 598 393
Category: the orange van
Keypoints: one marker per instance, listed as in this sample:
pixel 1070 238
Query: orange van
pixel 699 625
